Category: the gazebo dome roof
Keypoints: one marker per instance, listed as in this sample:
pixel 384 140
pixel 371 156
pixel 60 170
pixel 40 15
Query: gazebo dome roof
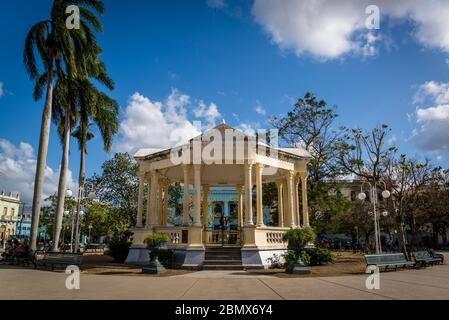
pixel 147 153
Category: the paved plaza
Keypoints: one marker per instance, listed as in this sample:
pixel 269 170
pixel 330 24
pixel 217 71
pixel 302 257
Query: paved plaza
pixel 22 283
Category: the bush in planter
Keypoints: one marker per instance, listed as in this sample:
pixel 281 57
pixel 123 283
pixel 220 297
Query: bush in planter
pixel 118 248
pixel 291 256
pixel 297 240
pixel 156 243
pixel 167 258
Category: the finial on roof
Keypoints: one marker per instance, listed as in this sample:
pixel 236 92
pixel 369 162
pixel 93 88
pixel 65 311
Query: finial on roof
pixel 223 121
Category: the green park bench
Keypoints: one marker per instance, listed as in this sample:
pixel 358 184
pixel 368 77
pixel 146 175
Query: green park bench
pixel 388 260
pixel 53 259
pixel 425 258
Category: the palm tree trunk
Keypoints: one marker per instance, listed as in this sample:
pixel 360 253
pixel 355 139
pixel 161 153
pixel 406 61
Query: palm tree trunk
pixel 80 196
pixel 62 183
pixel 41 161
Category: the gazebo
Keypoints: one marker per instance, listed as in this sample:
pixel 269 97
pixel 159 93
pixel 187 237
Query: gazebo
pixel 224 157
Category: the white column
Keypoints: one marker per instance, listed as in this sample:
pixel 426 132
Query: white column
pixel 141 195
pixel 153 198
pixel 150 187
pixel 205 206
pixel 165 211
pixel 291 199
pixel 259 200
pixel 248 195
pixel 239 189
pixel 159 203
pixel 297 215
pixel 280 188
pixel 305 208
pixel 197 197
pixel 185 207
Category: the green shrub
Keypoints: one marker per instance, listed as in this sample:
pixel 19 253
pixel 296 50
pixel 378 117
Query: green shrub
pixel 319 256
pixel 156 239
pixel 167 258
pixel 118 249
pixel 299 237
pixel 291 256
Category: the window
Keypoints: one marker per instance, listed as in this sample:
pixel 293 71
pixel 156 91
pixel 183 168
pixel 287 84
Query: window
pixel 5 211
pixel 12 212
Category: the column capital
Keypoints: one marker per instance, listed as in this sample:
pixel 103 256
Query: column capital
pixel 142 174
pixel 303 174
pixel 290 174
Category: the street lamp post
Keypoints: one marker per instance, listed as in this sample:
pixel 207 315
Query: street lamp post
pixel 90 229
pixel 79 212
pixel 373 199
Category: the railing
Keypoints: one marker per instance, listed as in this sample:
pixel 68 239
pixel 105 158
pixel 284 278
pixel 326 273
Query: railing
pixel 271 237
pixel 274 237
pixel 174 233
pixel 222 237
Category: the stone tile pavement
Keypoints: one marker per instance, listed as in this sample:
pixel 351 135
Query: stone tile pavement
pixel 425 283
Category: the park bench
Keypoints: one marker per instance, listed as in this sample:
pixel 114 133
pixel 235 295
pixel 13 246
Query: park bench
pixel 94 247
pixel 425 258
pixel 53 259
pixel 388 260
pixel 436 255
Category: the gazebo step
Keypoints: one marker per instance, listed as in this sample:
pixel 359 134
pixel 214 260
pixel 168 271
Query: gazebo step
pixel 222 267
pixel 223 262
pixel 222 257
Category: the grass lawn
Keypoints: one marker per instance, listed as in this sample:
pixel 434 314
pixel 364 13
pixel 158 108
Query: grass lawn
pixel 345 263
pixel 105 265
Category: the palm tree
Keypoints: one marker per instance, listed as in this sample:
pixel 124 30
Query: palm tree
pixel 54 44
pixel 103 111
pixel 79 98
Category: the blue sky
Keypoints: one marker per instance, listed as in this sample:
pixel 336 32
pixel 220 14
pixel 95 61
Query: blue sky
pixel 241 61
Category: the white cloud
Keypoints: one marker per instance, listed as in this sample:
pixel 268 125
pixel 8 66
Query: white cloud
pixel 1 89
pixel 329 29
pixel 392 140
pixel 154 124
pixel 246 128
pixel 432 123
pixel 437 91
pixel 260 109
pixel 18 165
pixel 216 4
pixel 209 113
pixel 447 61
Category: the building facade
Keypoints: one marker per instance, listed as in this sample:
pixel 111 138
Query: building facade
pixel 9 211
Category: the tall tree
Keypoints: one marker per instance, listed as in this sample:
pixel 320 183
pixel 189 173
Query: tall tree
pixel 364 154
pixel 117 185
pixel 311 125
pixel 54 45
pixel 97 108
